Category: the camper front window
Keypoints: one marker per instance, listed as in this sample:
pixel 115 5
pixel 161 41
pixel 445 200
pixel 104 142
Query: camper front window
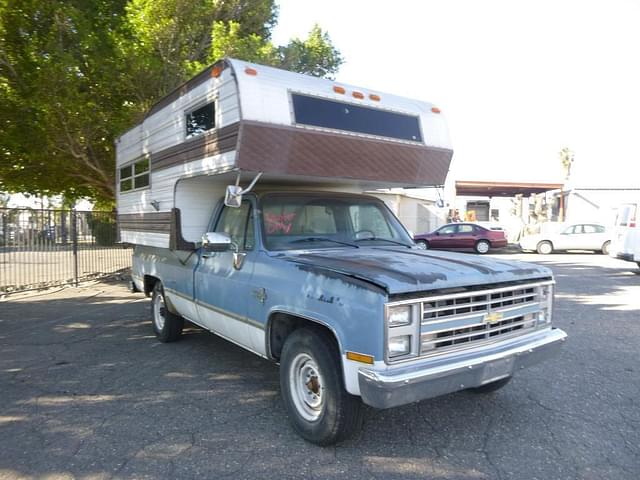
pixel 200 120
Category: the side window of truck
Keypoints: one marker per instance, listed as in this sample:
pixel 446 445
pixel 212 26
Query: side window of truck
pixel 238 224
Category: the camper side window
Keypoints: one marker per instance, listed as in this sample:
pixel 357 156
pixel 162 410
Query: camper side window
pixel 201 120
pixel 135 175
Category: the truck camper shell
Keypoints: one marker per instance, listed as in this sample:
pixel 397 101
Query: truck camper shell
pixel 236 118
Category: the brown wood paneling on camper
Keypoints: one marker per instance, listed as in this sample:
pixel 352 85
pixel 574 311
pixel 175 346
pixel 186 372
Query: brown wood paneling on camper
pixel 221 140
pixel 176 241
pixel 301 151
pixel 156 222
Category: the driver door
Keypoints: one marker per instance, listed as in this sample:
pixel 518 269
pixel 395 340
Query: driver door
pixel 222 279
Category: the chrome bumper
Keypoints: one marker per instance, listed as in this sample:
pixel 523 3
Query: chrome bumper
pixel 466 369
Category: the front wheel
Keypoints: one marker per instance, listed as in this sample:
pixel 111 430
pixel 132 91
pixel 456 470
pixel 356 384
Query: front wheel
pixel 605 247
pixel 482 246
pixel 166 325
pixel 319 407
pixel 422 244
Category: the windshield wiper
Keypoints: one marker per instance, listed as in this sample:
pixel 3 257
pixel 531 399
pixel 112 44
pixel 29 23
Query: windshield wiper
pixel 383 240
pixel 323 239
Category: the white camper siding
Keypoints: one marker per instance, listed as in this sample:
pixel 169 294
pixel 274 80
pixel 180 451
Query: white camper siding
pixel 196 198
pixel 129 146
pixel 166 127
pixel 145 238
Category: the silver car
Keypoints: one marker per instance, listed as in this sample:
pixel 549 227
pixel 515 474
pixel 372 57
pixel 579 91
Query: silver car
pixel 576 236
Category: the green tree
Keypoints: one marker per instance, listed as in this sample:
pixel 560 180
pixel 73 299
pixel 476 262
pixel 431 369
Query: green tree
pixel 74 74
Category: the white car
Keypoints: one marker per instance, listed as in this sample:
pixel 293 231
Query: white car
pixel 575 236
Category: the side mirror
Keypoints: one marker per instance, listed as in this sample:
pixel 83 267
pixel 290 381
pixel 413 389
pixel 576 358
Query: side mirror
pixel 216 242
pixel 233 196
pixel 440 203
pixel 437 233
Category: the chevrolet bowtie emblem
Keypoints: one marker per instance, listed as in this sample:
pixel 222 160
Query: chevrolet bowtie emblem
pixel 493 317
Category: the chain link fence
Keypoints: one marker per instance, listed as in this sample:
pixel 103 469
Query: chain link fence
pixel 43 248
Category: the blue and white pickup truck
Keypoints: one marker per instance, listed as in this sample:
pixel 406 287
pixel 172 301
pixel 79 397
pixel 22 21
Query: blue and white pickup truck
pixel 332 287
pixel 305 269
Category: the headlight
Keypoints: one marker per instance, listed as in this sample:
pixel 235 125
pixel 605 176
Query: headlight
pixel 546 301
pixel 398 316
pixel 399 345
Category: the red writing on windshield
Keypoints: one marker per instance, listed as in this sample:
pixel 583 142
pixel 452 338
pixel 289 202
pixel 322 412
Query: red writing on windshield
pixel 279 223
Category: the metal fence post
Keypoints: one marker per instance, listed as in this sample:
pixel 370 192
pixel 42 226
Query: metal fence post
pixel 74 235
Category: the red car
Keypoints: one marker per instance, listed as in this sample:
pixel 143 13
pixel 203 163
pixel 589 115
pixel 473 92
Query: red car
pixel 462 235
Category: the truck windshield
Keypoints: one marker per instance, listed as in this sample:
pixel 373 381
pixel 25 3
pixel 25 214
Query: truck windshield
pixel 294 221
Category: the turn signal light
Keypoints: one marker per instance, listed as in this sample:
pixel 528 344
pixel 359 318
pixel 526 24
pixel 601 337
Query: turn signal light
pixel 435 109
pixel 358 95
pixel 338 89
pixel 374 97
pixel 251 71
pixel 360 357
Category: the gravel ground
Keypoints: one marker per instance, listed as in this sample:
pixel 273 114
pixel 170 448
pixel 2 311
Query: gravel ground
pixel 87 392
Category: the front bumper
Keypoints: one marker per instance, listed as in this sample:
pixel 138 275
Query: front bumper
pixel 466 369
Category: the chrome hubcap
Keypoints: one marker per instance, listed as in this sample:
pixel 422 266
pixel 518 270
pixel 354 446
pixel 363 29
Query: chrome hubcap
pixel 158 312
pixel 483 247
pixel 306 387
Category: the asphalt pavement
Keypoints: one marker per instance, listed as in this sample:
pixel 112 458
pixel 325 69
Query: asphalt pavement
pixel 87 392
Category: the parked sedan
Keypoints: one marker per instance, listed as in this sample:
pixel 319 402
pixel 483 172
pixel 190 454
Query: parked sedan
pixel 462 235
pixel 578 236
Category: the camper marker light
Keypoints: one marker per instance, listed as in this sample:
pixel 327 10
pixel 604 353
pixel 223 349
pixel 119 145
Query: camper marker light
pixel 358 95
pixel 360 357
pixel 374 97
pixel 216 71
pixel 435 109
pixel 251 71
pixel 338 89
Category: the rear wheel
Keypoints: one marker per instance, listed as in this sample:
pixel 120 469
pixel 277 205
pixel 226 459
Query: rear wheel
pixel 166 325
pixel 422 244
pixel 319 407
pixel 482 246
pixel 491 387
pixel 544 248
pixel 605 247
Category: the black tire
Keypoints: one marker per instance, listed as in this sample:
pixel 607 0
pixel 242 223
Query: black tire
pixel 491 387
pixel 605 247
pixel 422 244
pixel 482 246
pixel 544 248
pixel 166 325
pixel 325 413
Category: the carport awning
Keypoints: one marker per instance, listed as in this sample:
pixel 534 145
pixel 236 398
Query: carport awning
pixel 502 189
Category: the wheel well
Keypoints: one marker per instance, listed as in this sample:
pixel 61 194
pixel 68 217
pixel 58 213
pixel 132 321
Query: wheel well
pixel 149 283
pixel 281 325
pixel 484 240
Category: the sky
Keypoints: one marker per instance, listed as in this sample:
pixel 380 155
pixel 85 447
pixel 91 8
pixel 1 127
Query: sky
pixel 517 80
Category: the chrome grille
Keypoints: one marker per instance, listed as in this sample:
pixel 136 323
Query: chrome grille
pixel 465 304
pixel 465 319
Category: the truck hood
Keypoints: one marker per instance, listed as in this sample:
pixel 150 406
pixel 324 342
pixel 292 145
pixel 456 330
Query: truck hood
pixel 403 270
